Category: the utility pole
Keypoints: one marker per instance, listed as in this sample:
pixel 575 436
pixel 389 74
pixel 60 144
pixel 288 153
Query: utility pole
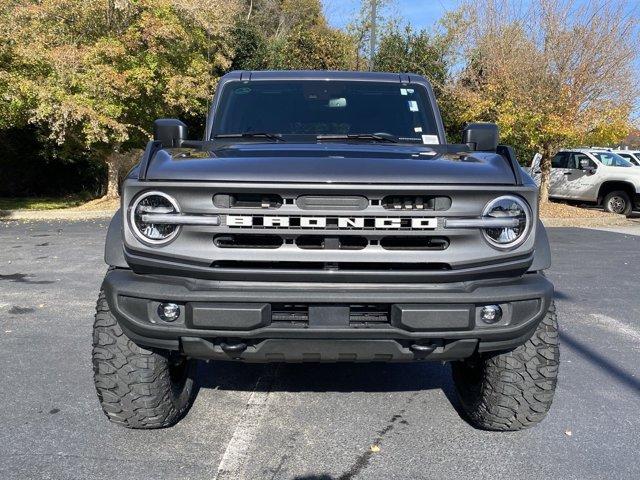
pixel 372 47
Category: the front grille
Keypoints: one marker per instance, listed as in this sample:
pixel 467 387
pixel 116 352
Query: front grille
pixel 305 232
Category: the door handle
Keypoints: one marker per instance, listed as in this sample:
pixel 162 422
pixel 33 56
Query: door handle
pixel 568 173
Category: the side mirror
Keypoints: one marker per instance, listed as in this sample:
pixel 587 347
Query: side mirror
pixel 170 132
pixel 481 136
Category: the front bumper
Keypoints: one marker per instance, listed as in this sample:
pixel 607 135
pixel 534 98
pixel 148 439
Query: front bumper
pixel 294 322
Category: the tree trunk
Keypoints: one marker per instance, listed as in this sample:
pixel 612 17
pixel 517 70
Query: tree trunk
pixel 112 177
pixel 545 175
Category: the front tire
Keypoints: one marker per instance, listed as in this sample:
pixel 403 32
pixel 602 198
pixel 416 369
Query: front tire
pixel 138 388
pixel 618 202
pixel 512 390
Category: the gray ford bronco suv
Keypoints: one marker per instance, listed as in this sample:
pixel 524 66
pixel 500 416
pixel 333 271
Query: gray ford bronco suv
pixel 323 217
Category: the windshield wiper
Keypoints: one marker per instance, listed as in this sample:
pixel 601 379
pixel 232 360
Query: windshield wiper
pixel 270 136
pixel 378 137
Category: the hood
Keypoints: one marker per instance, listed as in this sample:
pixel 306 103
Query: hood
pixel 331 163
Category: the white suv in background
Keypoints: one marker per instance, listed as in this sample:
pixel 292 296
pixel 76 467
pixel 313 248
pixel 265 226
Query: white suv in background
pixel 595 176
pixel 632 155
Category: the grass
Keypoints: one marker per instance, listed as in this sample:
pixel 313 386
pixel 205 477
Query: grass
pixel 42 203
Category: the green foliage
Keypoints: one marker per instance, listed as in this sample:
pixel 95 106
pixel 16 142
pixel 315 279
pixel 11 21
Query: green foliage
pixel 95 74
pixel 311 48
pixel 413 52
pixel 300 39
pixel 424 53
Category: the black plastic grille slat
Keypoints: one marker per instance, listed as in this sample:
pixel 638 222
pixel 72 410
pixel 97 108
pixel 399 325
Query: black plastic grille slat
pixel 248 241
pixel 369 314
pixel 289 313
pixel 319 242
pixel 414 243
pixel 332 202
pixel 416 202
pixel 247 200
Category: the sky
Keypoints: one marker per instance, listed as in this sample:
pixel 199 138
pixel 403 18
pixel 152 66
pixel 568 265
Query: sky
pixel 420 13
pixel 425 13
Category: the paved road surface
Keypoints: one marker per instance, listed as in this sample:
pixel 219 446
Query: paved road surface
pixel 312 422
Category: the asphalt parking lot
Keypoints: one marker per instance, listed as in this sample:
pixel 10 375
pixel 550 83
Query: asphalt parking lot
pixel 311 422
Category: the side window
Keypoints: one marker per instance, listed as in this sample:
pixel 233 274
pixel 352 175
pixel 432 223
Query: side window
pixel 560 160
pixel 576 158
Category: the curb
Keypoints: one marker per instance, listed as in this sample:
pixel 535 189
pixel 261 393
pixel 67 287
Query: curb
pixel 8 215
pixel 588 222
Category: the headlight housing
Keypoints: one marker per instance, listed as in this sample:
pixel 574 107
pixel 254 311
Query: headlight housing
pixel 150 203
pixel 508 206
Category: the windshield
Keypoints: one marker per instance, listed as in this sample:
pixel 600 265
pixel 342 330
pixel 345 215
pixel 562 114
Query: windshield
pixel 301 110
pixel 611 159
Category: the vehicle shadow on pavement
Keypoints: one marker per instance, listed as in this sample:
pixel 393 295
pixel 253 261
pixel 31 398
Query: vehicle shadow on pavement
pixel 318 377
pixel 597 359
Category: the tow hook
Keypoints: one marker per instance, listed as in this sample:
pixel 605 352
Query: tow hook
pixel 422 350
pixel 233 347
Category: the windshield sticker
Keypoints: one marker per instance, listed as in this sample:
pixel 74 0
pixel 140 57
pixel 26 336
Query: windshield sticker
pixel 417 129
pixel 413 106
pixel 430 139
pixel 403 91
pixel 242 90
pixel 338 102
pixel 409 90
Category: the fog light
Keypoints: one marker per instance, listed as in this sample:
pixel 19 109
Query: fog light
pixel 491 313
pixel 168 312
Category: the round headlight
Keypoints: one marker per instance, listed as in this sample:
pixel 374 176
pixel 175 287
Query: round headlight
pixel 508 207
pixel 145 207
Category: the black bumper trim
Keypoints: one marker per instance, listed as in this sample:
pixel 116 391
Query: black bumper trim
pixel 321 350
pixel 121 283
pixel 147 265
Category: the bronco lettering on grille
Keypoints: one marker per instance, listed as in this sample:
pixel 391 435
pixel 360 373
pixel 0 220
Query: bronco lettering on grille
pixel 285 221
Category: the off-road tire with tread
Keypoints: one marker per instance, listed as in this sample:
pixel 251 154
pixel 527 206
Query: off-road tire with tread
pixel 511 390
pixel 137 387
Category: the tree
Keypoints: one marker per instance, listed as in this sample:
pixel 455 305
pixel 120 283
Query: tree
pixel 95 74
pixel 361 26
pixel 558 73
pixel 289 34
pixel 427 54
